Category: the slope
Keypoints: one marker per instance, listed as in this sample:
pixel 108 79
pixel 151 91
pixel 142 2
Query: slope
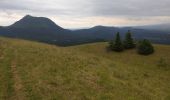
pixel 90 72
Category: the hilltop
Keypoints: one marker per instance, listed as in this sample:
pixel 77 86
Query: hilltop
pixel 36 71
pixel 29 21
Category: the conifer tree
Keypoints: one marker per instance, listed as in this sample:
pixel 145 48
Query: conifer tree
pixel 128 42
pixel 116 44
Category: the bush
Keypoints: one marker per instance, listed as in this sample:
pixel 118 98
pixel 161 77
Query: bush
pixel 128 42
pixel 145 47
pixel 116 44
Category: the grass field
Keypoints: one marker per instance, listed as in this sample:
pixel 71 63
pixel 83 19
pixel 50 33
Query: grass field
pixel 36 71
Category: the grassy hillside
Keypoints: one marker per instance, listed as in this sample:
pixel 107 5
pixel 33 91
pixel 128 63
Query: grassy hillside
pixel 35 71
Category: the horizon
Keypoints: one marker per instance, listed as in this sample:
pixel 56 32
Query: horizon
pixel 77 28
pixel 77 14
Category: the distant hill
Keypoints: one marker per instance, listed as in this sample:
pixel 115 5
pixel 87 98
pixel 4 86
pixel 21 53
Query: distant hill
pixel 37 71
pixel 107 33
pixel 45 30
pixel 159 27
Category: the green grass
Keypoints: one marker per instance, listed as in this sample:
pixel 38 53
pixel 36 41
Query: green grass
pixel 84 72
pixel 6 81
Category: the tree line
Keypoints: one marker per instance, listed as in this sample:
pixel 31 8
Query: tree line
pixel 143 47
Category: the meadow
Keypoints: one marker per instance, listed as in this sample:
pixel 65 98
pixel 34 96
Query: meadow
pixel 37 71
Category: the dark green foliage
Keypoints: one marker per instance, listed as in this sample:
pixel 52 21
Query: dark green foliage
pixel 145 47
pixel 116 44
pixel 128 42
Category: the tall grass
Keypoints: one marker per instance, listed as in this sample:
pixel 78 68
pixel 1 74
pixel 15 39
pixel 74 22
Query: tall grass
pixel 85 72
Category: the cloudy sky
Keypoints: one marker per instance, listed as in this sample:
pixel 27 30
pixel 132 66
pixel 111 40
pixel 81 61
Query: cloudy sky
pixel 87 13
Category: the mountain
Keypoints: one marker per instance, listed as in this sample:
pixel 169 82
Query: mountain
pixel 38 29
pixel 36 22
pixel 107 33
pixel 45 30
pixel 160 27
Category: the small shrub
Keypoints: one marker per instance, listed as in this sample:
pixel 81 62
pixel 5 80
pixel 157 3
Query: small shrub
pixel 162 63
pixel 145 47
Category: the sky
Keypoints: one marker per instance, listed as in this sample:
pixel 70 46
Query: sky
pixel 88 13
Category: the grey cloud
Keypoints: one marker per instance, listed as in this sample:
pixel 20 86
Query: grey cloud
pixel 130 10
pixel 50 7
pixel 132 7
pixel 91 7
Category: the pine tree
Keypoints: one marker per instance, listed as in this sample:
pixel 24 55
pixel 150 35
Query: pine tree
pixel 128 42
pixel 116 44
pixel 145 47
